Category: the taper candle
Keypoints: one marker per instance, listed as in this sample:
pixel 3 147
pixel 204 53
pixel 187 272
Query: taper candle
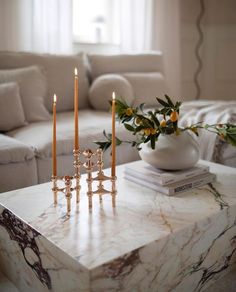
pixel 113 141
pixel 76 105
pixel 54 143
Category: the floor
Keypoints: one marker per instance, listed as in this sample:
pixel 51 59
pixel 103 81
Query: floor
pixel 225 284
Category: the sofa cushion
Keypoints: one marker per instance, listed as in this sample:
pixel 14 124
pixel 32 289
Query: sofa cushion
pixel 11 110
pixel 102 87
pixel 146 87
pixel 59 70
pixel 100 64
pixel 32 84
pixel 12 150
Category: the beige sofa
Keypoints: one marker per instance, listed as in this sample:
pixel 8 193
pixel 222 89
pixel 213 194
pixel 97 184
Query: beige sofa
pixel 27 84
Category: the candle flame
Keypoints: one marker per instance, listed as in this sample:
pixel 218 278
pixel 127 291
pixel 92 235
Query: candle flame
pixel 54 98
pixel 76 72
pixel 113 95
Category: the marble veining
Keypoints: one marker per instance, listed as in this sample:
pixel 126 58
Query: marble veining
pixel 218 196
pixel 149 242
pixel 209 272
pixel 25 236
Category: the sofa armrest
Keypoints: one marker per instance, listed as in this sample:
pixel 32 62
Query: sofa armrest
pixel 12 150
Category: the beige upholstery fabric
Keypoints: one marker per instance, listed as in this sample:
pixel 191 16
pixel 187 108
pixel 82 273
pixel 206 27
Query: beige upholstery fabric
pixel 91 126
pixel 12 150
pixel 100 64
pixel 102 87
pixel 11 110
pixel 18 175
pixel 146 87
pixel 210 112
pixel 32 84
pixel 59 70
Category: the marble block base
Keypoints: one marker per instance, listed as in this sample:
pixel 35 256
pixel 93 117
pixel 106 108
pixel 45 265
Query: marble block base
pixel 149 242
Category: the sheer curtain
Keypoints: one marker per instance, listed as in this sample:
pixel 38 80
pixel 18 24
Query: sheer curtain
pixel 148 25
pixel 39 26
pixel 136 18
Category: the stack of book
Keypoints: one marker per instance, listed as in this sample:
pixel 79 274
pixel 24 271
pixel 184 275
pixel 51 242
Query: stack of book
pixel 168 182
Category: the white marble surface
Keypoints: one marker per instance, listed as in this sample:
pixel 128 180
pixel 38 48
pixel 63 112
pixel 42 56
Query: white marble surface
pixel 6 285
pixel 149 241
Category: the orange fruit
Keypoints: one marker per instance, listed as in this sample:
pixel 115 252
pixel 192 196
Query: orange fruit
pixel 174 116
pixel 129 111
pixel 163 123
pixel 147 132
pixel 153 131
pixel 138 121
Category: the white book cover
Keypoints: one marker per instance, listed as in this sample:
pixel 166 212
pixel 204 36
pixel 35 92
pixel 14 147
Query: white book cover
pixel 142 170
pixel 176 187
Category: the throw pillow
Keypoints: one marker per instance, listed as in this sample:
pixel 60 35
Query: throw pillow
pixel 122 63
pixel 32 84
pixel 101 90
pixel 59 71
pixel 11 110
pixel 147 86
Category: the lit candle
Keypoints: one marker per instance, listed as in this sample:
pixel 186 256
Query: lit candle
pixel 54 144
pixel 113 141
pixel 76 120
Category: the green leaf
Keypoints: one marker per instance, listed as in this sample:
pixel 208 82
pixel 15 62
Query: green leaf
pixel 118 142
pixel 169 131
pixel 141 106
pixel 103 145
pixel 231 139
pixel 129 127
pixel 162 102
pixel 139 128
pixel 169 101
pixel 147 139
pixel 177 105
pixel 108 136
pixel 154 118
pixel 153 142
pixel 231 130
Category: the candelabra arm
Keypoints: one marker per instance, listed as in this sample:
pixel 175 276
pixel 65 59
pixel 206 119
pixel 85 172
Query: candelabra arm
pixel 77 176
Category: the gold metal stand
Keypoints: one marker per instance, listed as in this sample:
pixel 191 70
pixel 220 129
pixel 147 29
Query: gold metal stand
pixel 77 165
pixel 89 166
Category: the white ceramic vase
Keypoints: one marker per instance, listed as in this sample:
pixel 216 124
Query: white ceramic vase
pixel 172 152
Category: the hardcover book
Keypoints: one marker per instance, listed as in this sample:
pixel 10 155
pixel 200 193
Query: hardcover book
pixel 176 187
pixel 142 170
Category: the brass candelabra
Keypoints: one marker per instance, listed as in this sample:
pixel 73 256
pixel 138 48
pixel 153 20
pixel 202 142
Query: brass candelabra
pixel 90 166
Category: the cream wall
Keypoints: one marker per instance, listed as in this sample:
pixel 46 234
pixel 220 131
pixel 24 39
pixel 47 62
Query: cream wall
pixel 218 77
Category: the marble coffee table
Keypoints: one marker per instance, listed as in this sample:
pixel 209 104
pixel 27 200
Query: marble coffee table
pixel 149 242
